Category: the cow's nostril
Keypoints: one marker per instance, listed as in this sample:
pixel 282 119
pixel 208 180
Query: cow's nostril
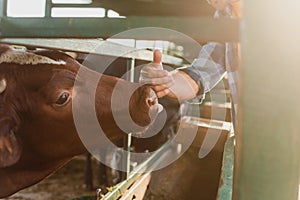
pixel 151 101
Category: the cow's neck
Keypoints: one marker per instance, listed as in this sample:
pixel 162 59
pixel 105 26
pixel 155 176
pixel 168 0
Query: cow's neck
pixel 22 175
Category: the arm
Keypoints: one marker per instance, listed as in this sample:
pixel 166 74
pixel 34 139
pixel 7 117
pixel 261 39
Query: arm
pixel 176 84
pixel 204 73
pixel 209 68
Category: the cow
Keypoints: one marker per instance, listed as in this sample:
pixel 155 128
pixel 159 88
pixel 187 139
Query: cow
pixel 37 130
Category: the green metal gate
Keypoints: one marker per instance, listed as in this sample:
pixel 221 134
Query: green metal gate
pixel 41 31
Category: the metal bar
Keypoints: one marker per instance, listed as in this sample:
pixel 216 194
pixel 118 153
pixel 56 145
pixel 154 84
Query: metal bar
pixel 91 5
pixel 48 8
pixel 126 159
pixel 3 9
pixel 138 189
pixel 148 165
pixel 201 29
pixel 225 190
pixel 127 139
pixel 79 2
pixel 130 68
pixel 267 149
pixel 3 13
pixel 94 46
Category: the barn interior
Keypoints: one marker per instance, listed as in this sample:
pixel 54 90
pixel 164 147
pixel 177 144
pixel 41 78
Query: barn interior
pixel 260 163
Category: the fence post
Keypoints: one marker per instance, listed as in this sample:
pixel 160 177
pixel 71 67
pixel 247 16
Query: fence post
pixel 267 148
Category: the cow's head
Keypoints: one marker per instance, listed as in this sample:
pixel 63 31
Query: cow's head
pixel 37 130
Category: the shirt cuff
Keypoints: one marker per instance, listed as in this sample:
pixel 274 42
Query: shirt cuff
pixel 197 78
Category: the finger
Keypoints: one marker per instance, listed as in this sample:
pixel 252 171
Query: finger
pixel 157 81
pixel 157 57
pixel 163 93
pixel 149 72
pixel 158 88
pixel 160 81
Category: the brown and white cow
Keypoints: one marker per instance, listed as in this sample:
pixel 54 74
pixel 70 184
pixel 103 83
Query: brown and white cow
pixel 37 130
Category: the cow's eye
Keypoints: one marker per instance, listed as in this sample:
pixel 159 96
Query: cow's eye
pixel 63 99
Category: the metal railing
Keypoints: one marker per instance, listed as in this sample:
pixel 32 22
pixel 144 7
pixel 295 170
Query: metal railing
pixel 202 29
pixel 199 28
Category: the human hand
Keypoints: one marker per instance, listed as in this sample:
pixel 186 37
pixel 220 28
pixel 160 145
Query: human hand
pixel 153 74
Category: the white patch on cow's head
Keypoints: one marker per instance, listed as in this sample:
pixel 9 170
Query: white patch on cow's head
pixel 23 58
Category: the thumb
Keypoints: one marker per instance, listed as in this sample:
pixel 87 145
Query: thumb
pixel 157 57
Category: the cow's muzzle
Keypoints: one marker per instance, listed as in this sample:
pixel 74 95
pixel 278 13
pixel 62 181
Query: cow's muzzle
pixel 155 107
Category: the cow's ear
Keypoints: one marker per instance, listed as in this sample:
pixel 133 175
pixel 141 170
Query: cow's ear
pixel 10 149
